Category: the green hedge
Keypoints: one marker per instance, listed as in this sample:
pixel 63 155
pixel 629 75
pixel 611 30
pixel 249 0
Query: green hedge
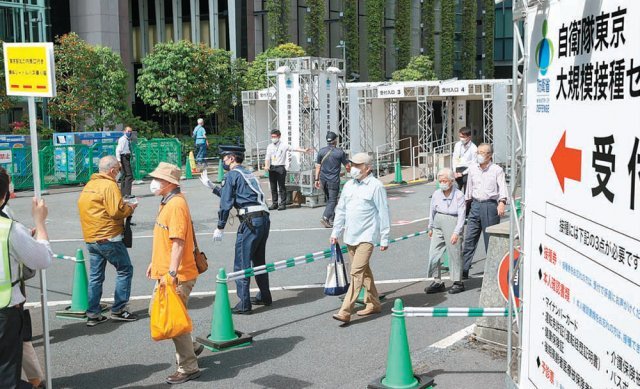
pixel 314 27
pixel 375 33
pixel 351 37
pixel 469 15
pixel 278 20
pixel 428 28
pixel 487 27
pixel 447 46
pixel 403 33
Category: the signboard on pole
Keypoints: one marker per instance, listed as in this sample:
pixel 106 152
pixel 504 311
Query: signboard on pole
pixel 29 69
pixel 582 230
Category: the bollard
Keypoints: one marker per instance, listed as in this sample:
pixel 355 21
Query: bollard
pixel 79 292
pixel 399 373
pixel 223 335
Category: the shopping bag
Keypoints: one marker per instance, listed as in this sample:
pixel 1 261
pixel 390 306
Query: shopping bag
pixel 336 282
pixel 169 316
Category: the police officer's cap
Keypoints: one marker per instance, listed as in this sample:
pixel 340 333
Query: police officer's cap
pixel 231 150
pixel 331 136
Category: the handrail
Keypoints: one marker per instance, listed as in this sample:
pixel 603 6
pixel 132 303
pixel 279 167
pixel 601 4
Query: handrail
pixel 395 152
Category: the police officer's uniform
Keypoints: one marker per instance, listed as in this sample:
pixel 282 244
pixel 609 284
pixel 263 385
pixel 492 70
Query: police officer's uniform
pixel 241 190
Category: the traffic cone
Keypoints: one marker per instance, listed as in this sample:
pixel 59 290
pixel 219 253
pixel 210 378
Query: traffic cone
pixel 12 194
pixel 188 174
pixel 399 372
pixel 223 335
pixel 79 292
pixel 398 173
pixel 220 170
pixel 360 300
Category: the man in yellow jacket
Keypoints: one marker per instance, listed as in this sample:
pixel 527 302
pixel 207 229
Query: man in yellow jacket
pixel 102 215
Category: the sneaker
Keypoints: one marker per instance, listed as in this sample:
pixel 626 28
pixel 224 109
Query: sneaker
pixel 465 274
pixel 282 207
pixel 456 288
pixel 273 207
pixel 238 311
pixel 256 301
pixel 325 222
pixel 94 321
pixel 180 378
pixel 124 316
pixel 435 287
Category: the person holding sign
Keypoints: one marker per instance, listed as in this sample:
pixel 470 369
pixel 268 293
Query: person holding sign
pixel 21 249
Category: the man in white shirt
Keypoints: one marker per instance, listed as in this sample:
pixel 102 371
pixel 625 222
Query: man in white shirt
pixel 123 155
pixel 275 162
pixel 464 154
pixel 363 215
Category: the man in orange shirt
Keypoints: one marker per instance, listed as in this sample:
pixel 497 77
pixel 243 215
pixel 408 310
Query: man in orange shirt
pixel 173 254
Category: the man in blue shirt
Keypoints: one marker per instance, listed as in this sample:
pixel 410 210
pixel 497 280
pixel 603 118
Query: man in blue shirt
pixel 327 177
pixel 200 136
pixel 240 189
pixel 362 215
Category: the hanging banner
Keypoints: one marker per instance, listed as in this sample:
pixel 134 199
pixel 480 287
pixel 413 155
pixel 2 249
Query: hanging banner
pixel 328 102
pixel 582 230
pixel 289 112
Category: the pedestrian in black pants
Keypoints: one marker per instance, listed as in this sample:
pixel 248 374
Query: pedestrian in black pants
pixel 275 162
pixel 123 155
pixel 327 177
pixel 487 192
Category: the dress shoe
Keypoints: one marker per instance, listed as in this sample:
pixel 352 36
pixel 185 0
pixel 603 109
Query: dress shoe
pixel 179 378
pixel 342 318
pixel 273 207
pixel 325 222
pixel 456 288
pixel 199 350
pixel 368 311
pixel 435 287
pixel 465 274
pixel 238 311
pixel 282 207
pixel 256 301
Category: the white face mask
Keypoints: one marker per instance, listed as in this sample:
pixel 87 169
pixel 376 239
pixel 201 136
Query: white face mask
pixel 275 140
pixel 445 187
pixel 155 187
pixel 481 159
pixel 355 172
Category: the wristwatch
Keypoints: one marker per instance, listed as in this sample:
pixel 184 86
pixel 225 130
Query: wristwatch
pixel 173 273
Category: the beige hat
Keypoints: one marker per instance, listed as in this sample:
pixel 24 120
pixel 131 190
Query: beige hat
pixel 361 158
pixel 168 172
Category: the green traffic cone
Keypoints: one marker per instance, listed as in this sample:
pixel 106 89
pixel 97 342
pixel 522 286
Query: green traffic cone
pixel 220 170
pixel 398 173
pixel 518 208
pixel 223 335
pixel 445 260
pixel 188 174
pixel 360 300
pixel 399 374
pixel 79 294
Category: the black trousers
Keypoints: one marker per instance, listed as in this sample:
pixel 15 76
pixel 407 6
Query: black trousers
pixel 11 320
pixel 461 181
pixel 127 174
pixel 277 175
pixel 331 191
pixel 483 214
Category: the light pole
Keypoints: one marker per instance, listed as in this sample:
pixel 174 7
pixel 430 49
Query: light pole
pixel 343 46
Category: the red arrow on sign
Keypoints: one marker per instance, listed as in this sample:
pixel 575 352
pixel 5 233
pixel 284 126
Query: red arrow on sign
pixel 567 162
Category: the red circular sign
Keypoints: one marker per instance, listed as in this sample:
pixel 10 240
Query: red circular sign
pixel 503 277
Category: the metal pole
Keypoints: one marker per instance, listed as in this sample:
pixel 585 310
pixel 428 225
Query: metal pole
pixel 35 169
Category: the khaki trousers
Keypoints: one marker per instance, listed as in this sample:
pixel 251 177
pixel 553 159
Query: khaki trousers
pixel 185 346
pixel 361 275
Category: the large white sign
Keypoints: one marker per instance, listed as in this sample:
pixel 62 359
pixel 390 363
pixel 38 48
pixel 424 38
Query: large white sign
pixel 582 235
pixel 328 107
pixel 289 112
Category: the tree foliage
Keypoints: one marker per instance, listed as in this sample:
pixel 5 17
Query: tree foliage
pixel 351 36
pixel 419 68
pixel 278 21
pixel 375 34
pixel 193 80
pixel 447 46
pixel 314 27
pixel 256 77
pixel 403 32
pixel 6 102
pixel 428 28
pixel 76 81
pixel 469 16
pixel 487 40
pixel 111 101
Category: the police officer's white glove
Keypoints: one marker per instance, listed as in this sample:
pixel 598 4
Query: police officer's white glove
pixel 217 235
pixel 206 181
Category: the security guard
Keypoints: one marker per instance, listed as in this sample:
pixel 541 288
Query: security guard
pixel 241 190
pixel 327 176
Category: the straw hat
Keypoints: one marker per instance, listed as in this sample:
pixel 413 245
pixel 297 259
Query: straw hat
pixel 168 172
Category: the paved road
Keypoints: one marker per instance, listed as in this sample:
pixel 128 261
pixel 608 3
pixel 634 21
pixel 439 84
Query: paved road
pixel 297 344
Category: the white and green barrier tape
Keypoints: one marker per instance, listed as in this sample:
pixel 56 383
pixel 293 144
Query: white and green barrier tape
pixel 455 312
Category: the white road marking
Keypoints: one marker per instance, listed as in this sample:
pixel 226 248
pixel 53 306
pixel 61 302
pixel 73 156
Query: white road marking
pixel 231 291
pixel 401 223
pixel 453 338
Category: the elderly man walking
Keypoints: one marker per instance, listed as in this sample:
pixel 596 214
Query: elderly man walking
pixel 172 254
pixel 102 214
pixel 363 215
pixel 487 192
pixel 446 221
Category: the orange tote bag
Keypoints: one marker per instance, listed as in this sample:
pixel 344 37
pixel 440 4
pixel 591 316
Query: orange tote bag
pixel 169 316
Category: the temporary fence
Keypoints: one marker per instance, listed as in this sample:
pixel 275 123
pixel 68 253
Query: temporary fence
pixel 299 260
pixel 74 164
pixel 455 312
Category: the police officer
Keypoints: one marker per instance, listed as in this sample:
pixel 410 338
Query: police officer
pixel 327 176
pixel 241 190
